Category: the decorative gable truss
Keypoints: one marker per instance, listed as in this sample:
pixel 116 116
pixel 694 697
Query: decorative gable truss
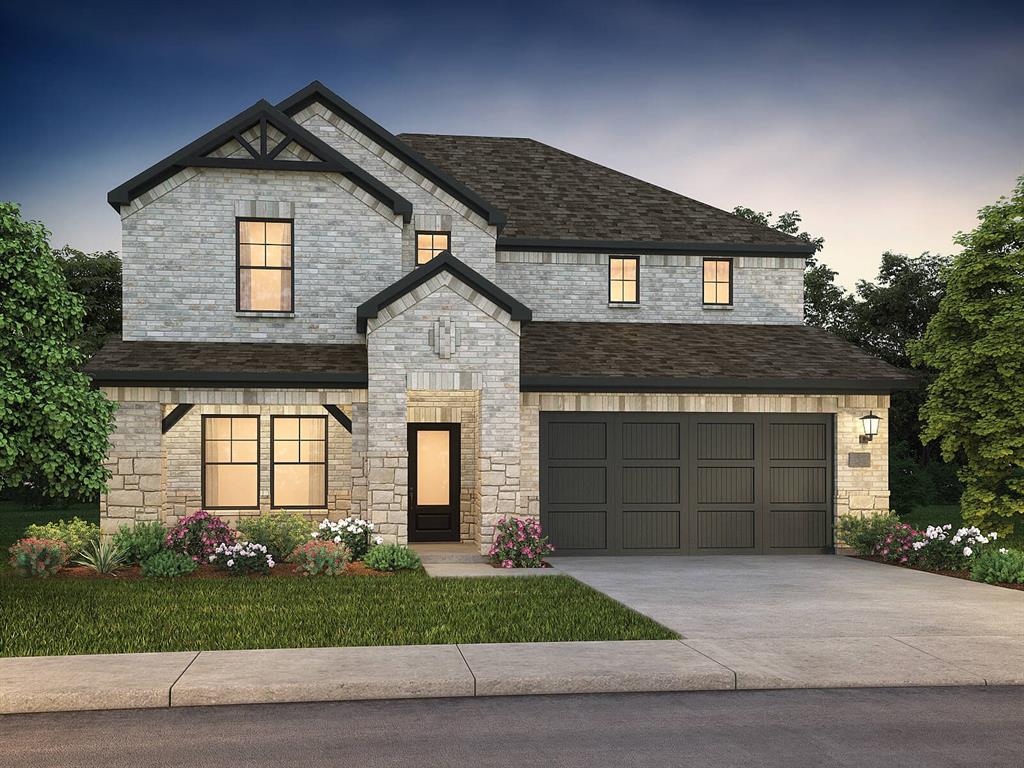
pixel 265 139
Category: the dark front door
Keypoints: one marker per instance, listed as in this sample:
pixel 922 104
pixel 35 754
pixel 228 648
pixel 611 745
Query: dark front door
pixel 434 482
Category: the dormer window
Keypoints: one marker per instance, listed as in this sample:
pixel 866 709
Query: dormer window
pixel 718 282
pixel 624 280
pixel 430 244
pixel 265 276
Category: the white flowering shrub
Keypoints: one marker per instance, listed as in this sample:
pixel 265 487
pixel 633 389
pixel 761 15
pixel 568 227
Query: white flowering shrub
pixel 354 532
pixel 242 557
pixel 937 547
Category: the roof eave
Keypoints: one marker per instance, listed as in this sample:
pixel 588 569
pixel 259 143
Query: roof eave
pixel 710 385
pixel 651 247
pixel 135 378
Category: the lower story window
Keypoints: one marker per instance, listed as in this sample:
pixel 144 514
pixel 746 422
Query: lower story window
pixel 231 466
pixel 298 466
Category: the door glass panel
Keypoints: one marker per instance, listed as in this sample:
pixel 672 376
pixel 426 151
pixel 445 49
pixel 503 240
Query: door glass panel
pixel 432 467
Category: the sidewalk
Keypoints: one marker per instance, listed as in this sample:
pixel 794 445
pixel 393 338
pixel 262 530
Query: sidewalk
pixel 147 680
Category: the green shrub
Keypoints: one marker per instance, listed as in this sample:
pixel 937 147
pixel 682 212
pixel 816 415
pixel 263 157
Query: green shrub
pixel 38 557
pixel 142 541
pixel 167 563
pixel 76 534
pixel 242 557
pixel 280 533
pixel 326 557
pixel 862 534
pixel 103 556
pixel 354 532
pixel 391 557
pixel 1002 566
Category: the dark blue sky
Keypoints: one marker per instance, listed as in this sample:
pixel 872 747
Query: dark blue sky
pixel 887 125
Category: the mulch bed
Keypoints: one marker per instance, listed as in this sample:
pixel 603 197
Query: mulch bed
pixel 965 575
pixel 205 571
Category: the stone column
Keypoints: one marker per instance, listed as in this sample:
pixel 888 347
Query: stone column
pixel 136 465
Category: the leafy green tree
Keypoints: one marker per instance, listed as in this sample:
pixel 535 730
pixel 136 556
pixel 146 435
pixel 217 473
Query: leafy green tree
pixel 96 277
pixel 53 425
pixel 975 343
pixel 826 304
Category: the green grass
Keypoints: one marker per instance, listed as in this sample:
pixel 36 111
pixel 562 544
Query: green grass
pixel 56 617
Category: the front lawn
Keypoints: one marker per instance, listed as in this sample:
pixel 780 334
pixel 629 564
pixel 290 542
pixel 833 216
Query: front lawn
pixel 68 616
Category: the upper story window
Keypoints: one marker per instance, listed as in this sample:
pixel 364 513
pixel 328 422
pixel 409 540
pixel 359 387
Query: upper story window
pixel 231 464
pixel 430 244
pixel 298 464
pixel 718 281
pixel 265 276
pixel 624 279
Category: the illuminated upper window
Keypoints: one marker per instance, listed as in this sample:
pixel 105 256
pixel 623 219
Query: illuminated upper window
pixel 265 277
pixel 624 279
pixel 430 244
pixel 718 281
pixel 231 462
pixel 298 466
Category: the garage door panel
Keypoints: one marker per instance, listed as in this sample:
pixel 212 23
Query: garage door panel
pixel 577 530
pixel 798 485
pixel 577 440
pixel 650 485
pixel 650 529
pixel 798 529
pixel 725 529
pixel 725 485
pixel 725 441
pixel 797 442
pixel 646 440
pixel 577 485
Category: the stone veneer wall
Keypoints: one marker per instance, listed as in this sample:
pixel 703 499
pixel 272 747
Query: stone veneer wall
pixel 859 490
pixel 574 286
pixel 402 357
pixel 157 476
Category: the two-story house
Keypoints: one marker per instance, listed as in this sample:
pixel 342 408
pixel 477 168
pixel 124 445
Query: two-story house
pixel 434 331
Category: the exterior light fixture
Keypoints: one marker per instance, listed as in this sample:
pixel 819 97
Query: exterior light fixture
pixel 869 424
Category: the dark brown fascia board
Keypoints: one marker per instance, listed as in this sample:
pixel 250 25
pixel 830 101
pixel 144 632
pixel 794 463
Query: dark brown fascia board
pixel 130 378
pixel 317 91
pixel 194 155
pixel 444 261
pixel 652 247
pixel 866 386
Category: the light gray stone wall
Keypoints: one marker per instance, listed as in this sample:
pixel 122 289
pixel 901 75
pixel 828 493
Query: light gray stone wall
pixel 472 239
pixel 400 351
pixel 859 490
pixel 574 286
pixel 180 259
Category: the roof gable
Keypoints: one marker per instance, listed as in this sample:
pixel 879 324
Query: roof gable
pixel 318 92
pixel 443 262
pixel 260 138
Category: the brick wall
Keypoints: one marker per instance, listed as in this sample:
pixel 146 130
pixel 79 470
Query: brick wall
pixel 574 286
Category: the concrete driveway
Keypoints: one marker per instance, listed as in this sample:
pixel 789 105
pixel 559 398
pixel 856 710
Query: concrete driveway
pixel 799 596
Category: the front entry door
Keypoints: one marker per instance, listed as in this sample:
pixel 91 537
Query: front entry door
pixel 434 482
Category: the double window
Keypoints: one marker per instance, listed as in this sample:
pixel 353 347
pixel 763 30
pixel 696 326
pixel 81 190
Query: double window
pixel 718 281
pixel 430 244
pixel 298 466
pixel 231 462
pixel 265 274
pixel 624 279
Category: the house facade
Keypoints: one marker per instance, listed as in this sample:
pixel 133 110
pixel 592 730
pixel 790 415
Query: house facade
pixel 433 332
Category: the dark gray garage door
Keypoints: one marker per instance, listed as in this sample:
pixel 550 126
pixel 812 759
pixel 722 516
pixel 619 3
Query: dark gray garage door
pixel 664 483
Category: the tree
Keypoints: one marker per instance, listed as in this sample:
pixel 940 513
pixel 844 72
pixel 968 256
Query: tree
pixel 826 304
pixel 53 425
pixel 96 277
pixel 975 343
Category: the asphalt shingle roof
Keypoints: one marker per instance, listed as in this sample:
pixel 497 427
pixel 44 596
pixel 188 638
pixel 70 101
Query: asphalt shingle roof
pixel 549 194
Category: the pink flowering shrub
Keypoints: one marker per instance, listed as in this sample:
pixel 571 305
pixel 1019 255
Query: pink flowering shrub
pixel 519 543
pixel 38 557
pixel 198 535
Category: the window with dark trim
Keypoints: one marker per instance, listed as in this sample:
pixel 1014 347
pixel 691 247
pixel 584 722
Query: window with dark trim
pixel 718 281
pixel 298 462
pixel 231 462
pixel 266 279
pixel 430 244
pixel 624 279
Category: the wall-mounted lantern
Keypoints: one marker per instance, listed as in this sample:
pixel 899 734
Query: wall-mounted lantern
pixel 869 424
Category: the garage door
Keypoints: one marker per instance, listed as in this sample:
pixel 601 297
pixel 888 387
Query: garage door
pixel 663 483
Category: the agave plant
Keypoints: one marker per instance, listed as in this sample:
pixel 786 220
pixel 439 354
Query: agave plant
pixel 103 556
